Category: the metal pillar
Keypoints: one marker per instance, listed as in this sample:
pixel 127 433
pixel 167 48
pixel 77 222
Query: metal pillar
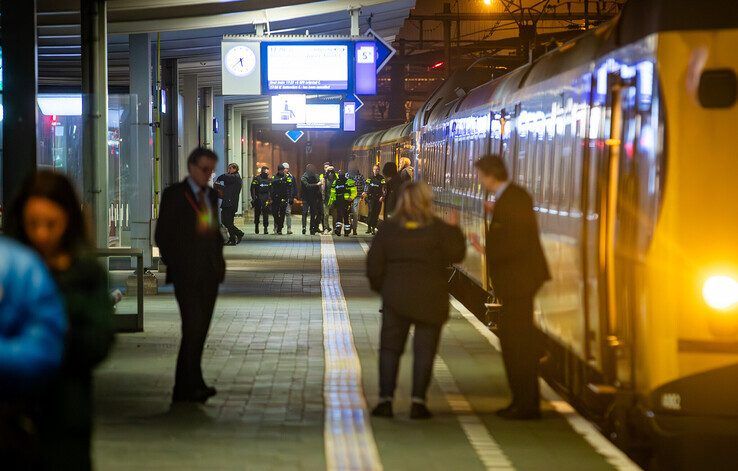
pixel 236 150
pixel 397 93
pixel 140 87
pixel 230 135
pixel 219 141
pixel 169 129
pixel 189 118
pixel 95 116
pixel 20 77
pixel 206 117
pixel 355 14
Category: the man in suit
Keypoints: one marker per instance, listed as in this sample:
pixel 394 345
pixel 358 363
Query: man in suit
pixel 230 184
pixel 191 245
pixel 517 268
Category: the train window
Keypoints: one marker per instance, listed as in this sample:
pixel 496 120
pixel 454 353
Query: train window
pixel 718 88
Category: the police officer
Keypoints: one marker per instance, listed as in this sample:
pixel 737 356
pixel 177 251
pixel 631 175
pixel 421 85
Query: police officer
pixel 328 178
pixel 288 212
pixel 355 175
pixel 343 193
pixel 283 190
pixel 311 199
pixel 375 186
pixel 261 198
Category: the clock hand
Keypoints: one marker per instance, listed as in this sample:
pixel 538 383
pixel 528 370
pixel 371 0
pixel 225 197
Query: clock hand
pixel 241 61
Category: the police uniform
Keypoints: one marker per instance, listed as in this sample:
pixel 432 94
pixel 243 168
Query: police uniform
pixel 282 194
pixel 343 193
pixel 358 178
pixel 374 194
pixel 260 199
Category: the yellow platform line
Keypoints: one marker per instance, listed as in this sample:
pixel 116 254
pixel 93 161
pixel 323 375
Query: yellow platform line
pixel 349 441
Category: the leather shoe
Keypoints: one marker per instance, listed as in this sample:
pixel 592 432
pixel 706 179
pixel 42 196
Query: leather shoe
pixel 383 409
pixel 420 411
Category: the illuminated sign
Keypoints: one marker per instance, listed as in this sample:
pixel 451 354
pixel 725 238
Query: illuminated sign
pixel 288 109
pixel 306 67
pixel 366 68
pixel 349 116
pixel 322 116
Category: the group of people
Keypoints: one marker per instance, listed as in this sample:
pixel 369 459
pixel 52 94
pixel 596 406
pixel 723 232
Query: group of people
pixel 408 265
pixel 55 327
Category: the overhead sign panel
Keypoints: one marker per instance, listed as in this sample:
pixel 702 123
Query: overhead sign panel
pixel 366 68
pixel 310 66
pixel 294 110
pixel 241 67
pixel 322 116
pixel 288 109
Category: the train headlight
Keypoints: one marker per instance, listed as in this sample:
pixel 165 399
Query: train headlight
pixel 720 292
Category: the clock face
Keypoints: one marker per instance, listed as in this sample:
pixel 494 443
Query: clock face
pixel 240 61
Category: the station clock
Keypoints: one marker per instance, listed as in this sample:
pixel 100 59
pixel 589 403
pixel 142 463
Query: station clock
pixel 240 61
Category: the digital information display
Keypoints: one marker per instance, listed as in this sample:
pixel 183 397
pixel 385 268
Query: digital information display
pixel 306 67
pixel 349 116
pixel 294 111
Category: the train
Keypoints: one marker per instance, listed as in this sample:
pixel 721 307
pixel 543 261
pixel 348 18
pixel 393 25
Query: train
pixel 624 138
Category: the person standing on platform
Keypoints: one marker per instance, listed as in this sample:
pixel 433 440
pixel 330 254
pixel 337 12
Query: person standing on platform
pixel 329 178
pixel 231 184
pixel 311 199
pixel 391 187
pixel 408 265
pixel 282 191
pixel 192 248
pixel 288 211
pixel 48 217
pixel 261 191
pixel 374 196
pixel 343 193
pixel 32 328
pixel 406 170
pixel 355 175
pixel 517 268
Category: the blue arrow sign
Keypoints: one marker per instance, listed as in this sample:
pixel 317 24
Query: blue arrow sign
pixel 385 51
pixel 356 100
pixel 294 135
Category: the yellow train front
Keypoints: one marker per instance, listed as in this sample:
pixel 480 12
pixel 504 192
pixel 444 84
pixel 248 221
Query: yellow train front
pixel 625 138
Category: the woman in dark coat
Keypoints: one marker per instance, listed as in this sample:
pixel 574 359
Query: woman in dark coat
pixel 392 188
pixel 47 217
pixel 407 264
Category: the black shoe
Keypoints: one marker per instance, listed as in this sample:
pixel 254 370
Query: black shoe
pixel 368 231
pixel 279 232
pixel 257 230
pixel 304 231
pixel 383 409
pixel 420 411
pixel 266 231
pixel 504 411
pixel 515 413
pixel 239 238
pixel 231 242
pixel 289 232
pixel 354 232
pixel 198 395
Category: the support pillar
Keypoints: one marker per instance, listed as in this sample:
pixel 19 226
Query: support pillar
pixel 20 78
pixel 355 16
pixel 189 117
pixel 142 199
pixel 219 141
pixel 169 128
pixel 206 117
pixel 95 116
pixel 230 135
pixel 397 91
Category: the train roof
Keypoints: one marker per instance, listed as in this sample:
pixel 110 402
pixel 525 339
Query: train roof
pixel 368 141
pixel 396 133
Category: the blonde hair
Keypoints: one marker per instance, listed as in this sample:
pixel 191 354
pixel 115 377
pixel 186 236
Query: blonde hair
pixel 404 163
pixel 414 204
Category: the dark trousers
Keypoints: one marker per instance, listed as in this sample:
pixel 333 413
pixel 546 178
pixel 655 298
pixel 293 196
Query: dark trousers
pixel 375 206
pixel 227 216
pixel 395 329
pixel 312 207
pixel 280 211
pixel 261 210
pixel 520 352
pixel 196 302
pixel 343 213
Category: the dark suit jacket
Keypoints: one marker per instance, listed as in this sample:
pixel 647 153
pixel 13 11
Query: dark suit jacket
pixel 191 257
pixel 408 267
pixel 232 184
pixel 515 259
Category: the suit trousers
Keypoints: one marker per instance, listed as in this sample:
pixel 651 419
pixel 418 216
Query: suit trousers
pixel 261 210
pixel 520 352
pixel 395 329
pixel 196 302
pixel 280 211
pixel 288 217
pixel 227 216
pixel 311 207
pixel 355 214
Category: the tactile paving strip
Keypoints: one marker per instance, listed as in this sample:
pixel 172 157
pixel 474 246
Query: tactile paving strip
pixel 349 442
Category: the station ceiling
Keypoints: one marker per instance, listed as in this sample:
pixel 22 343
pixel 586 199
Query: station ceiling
pixel 191 32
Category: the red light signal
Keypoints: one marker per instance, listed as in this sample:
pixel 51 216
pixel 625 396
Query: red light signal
pixel 438 65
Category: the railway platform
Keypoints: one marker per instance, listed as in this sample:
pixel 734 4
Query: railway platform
pixel 292 351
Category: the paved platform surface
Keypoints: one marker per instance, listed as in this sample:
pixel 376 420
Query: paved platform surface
pixel 266 353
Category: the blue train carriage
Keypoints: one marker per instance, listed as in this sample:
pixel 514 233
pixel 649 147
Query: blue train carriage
pixel 625 138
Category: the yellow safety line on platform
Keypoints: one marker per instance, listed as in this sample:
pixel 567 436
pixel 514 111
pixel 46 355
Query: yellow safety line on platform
pixel 349 441
pixel 613 455
pixel 486 447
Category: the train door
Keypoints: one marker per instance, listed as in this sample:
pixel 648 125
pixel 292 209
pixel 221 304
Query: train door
pixel 619 232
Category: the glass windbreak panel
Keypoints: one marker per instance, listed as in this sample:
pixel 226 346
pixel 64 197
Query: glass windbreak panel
pixel 60 130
